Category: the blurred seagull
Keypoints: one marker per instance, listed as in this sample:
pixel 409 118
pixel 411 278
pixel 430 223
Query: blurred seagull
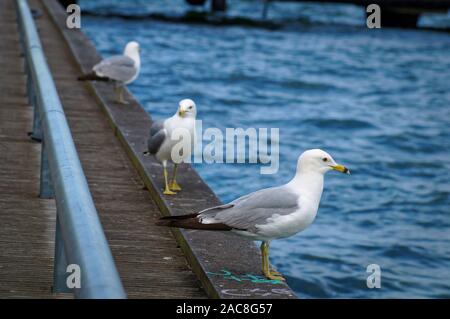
pixel 270 213
pixel 121 69
pixel 161 142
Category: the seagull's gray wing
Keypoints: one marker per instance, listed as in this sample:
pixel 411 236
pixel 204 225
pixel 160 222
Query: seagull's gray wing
pixel 156 127
pixel 253 209
pixel 119 68
pixel 157 137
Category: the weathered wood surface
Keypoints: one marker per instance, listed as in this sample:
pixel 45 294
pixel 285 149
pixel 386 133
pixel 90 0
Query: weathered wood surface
pixel 213 256
pixel 26 221
pixel 150 263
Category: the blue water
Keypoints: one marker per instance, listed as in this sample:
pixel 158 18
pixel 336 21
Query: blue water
pixel 378 101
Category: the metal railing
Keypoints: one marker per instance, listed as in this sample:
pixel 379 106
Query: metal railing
pixel 79 238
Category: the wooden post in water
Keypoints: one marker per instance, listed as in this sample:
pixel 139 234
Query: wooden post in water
pixel 399 17
pixel 218 5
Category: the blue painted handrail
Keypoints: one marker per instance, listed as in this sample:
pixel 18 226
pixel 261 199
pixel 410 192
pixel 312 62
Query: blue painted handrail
pixel 79 239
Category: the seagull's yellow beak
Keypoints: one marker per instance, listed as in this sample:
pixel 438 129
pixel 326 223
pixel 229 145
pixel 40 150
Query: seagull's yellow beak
pixel 181 112
pixel 340 168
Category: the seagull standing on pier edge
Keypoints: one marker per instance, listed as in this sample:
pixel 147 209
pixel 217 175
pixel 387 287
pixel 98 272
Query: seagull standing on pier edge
pixel 270 213
pixel 160 142
pixel 121 69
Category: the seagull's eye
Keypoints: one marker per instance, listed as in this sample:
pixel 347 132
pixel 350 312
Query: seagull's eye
pixel 190 107
pixel 325 159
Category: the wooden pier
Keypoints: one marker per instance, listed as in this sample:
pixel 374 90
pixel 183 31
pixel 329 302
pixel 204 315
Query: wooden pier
pixel 26 222
pixel 153 262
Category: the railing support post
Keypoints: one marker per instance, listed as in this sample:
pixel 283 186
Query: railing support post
pixel 265 9
pixel 30 89
pixel 59 263
pixel 36 133
pixel 46 187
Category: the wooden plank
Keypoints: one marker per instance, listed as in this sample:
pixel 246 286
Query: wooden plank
pixel 211 255
pixel 26 221
pixel 126 211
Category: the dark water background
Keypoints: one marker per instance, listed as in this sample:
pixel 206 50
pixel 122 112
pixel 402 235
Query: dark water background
pixel 377 100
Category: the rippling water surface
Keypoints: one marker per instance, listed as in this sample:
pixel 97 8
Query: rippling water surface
pixel 378 101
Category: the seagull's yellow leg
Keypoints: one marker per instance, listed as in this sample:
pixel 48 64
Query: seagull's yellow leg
pixel 174 185
pixel 116 91
pixel 120 98
pixel 265 267
pixel 270 274
pixel 167 190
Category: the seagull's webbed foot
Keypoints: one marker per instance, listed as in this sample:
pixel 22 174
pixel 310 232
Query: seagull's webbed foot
pixel 273 271
pixel 174 186
pixel 123 102
pixel 169 192
pixel 274 275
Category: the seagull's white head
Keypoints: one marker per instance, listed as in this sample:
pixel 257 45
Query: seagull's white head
pixel 132 49
pixel 187 108
pixel 319 161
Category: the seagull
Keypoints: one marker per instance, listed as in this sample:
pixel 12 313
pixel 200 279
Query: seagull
pixel 162 140
pixel 121 69
pixel 270 213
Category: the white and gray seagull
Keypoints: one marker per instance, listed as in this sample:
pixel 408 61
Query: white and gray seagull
pixel 121 69
pixel 163 139
pixel 270 213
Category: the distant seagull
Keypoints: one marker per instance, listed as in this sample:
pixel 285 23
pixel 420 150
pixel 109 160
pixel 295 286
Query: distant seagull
pixel 160 142
pixel 270 213
pixel 121 69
